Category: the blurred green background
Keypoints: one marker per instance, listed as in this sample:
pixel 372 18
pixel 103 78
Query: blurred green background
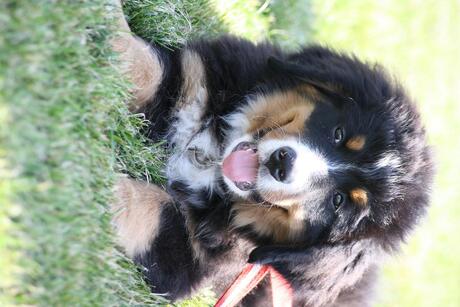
pixel 418 40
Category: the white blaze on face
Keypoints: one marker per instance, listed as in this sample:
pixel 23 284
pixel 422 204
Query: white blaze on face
pixel 308 167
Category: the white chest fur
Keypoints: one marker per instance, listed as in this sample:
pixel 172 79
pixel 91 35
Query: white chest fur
pixel 196 163
pixel 195 148
pixel 196 151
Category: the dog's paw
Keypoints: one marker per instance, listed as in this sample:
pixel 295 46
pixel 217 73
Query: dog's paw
pixel 136 211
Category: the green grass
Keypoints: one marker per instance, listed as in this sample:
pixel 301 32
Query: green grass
pixel 292 22
pixel 172 23
pixel 65 133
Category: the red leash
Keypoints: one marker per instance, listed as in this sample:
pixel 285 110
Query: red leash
pixel 249 278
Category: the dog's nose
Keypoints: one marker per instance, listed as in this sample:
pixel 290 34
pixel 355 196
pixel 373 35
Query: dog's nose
pixel 280 163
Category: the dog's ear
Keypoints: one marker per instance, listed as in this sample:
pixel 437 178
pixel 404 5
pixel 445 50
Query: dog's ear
pixel 318 79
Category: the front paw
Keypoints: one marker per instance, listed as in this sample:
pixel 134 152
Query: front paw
pixel 136 210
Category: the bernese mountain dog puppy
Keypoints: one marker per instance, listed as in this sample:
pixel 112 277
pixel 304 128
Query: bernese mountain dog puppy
pixel 311 161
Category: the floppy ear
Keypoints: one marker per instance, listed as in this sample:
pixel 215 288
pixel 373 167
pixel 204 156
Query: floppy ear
pixel 313 77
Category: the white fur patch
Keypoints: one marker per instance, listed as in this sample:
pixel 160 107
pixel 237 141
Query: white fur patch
pixel 181 165
pixel 389 159
pixel 188 124
pixel 239 124
pixel 195 152
pixel 308 167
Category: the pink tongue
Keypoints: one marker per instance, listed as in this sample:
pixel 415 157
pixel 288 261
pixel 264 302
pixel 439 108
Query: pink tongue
pixel 241 165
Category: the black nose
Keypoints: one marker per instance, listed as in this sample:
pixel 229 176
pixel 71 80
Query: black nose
pixel 280 163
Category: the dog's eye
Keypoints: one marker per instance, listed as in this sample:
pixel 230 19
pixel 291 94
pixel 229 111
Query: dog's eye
pixel 338 135
pixel 337 200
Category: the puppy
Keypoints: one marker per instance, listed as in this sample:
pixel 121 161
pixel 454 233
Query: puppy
pixel 312 161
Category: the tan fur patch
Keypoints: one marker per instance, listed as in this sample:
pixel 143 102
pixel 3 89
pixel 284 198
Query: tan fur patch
pixel 359 196
pixel 280 198
pixel 283 225
pixel 279 114
pixel 310 91
pixel 140 63
pixel 356 143
pixel 136 214
pixel 194 79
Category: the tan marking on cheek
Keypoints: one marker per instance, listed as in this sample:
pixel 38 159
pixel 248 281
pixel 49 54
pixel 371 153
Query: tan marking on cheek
pixel 194 79
pixel 280 198
pixel 310 91
pixel 140 63
pixel 136 214
pixel 281 113
pixel 282 226
pixel 359 196
pixel 356 143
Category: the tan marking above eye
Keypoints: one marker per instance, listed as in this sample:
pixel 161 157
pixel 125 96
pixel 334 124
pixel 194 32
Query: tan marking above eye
pixel 309 90
pixel 356 143
pixel 359 196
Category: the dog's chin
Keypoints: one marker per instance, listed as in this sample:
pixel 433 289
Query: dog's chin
pixel 250 195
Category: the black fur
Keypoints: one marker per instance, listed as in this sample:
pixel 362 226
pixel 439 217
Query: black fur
pixel 158 109
pixel 336 261
pixel 164 275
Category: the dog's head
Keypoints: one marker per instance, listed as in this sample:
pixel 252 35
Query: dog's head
pixel 332 145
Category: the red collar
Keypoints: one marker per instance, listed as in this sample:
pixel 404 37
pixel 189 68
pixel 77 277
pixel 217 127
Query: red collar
pixel 249 278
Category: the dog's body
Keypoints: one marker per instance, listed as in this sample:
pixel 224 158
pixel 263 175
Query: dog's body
pixel 310 161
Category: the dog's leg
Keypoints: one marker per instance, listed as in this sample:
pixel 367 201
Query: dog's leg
pixel 192 101
pixel 138 61
pixel 153 232
pixel 195 146
pixel 136 214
